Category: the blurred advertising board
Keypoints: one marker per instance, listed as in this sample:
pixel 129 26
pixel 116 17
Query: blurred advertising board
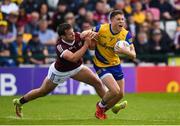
pixel 18 81
pixel 174 61
pixel 158 79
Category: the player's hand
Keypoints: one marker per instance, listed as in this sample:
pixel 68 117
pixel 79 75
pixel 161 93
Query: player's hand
pixel 121 50
pixel 87 41
pixel 92 34
pixel 89 37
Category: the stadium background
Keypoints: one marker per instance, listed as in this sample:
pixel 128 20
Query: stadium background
pixel 155 25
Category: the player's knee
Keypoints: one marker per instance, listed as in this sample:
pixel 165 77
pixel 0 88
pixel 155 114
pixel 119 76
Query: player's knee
pixel 98 84
pixel 115 92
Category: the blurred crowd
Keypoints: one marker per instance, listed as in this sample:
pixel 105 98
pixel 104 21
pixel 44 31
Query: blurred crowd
pixel 28 27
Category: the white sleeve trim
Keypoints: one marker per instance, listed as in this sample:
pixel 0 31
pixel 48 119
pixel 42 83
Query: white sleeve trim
pixel 63 53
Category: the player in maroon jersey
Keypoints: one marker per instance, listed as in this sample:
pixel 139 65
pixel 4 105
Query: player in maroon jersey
pixel 70 49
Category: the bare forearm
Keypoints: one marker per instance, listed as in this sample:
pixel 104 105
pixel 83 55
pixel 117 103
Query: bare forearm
pixel 79 53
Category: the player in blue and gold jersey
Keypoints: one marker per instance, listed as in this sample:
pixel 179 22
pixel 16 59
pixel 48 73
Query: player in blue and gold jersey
pixel 107 62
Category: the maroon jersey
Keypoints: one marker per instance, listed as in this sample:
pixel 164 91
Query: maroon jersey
pixel 62 64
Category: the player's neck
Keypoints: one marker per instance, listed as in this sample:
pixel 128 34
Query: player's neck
pixel 67 41
pixel 114 29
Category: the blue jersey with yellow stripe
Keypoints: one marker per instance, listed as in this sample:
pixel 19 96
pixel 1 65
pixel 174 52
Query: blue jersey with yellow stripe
pixel 104 51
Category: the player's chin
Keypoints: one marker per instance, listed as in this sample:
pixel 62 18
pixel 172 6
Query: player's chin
pixel 120 27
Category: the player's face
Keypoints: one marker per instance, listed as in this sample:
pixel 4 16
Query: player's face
pixel 118 22
pixel 70 35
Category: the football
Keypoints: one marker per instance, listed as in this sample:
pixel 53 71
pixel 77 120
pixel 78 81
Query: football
pixel 122 44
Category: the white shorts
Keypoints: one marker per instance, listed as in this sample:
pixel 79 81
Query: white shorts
pixel 59 77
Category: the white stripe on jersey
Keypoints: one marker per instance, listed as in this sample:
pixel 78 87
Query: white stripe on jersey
pixel 60 49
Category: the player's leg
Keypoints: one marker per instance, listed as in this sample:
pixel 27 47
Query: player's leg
pixel 87 76
pixel 108 80
pixel 118 77
pixel 119 95
pixel 113 90
pixel 118 106
pixel 46 87
pixel 113 87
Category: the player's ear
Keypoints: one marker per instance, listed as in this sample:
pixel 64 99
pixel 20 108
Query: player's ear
pixel 62 36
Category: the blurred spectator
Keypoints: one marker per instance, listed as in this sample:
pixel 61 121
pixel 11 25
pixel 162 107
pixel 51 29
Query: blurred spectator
pixel 128 10
pixel 157 25
pixel 146 4
pixel 89 17
pixel 149 17
pixel 18 50
pixel 32 5
pixel 52 4
pixel 165 9
pixel 17 1
pixel 33 23
pixel 120 5
pixel 111 3
pixel 143 19
pixel 70 18
pixel 176 5
pixel 23 18
pixel 80 17
pixel 1 16
pixel 12 19
pixel 142 47
pixel 152 6
pixel 43 13
pixel 177 41
pixel 155 12
pixel 5 36
pixel 131 25
pixel 21 28
pixel 47 36
pixel 86 25
pixel 4 54
pixel 59 15
pixel 88 4
pixel 100 14
pixel 37 51
pixel 145 27
pixel 7 7
pixel 139 15
pixel 158 46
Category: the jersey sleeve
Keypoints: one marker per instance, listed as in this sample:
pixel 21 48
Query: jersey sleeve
pixel 60 50
pixel 96 29
pixel 129 38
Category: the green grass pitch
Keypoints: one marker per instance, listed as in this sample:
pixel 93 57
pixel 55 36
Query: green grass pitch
pixel 153 109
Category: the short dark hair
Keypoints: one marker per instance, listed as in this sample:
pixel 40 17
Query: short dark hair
pixel 114 13
pixel 62 28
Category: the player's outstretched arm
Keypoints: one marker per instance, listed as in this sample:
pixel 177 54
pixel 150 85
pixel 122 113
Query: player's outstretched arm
pixel 93 35
pixel 89 33
pixel 74 57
